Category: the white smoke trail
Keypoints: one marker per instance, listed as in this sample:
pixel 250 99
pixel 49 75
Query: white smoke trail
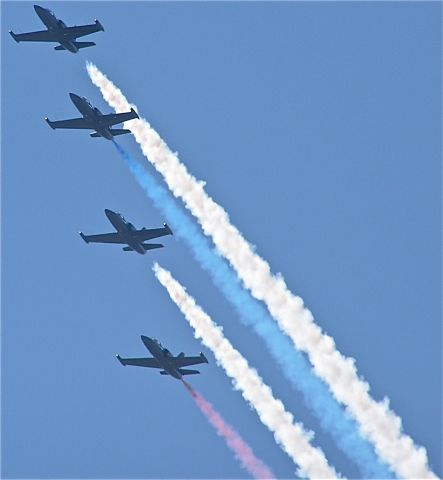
pixel 377 422
pixel 289 435
pixel 292 362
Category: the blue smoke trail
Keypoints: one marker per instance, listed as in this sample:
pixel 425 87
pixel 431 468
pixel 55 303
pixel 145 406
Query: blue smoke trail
pixel 292 362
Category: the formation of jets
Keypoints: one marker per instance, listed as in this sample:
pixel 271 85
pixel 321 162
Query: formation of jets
pixel 126 234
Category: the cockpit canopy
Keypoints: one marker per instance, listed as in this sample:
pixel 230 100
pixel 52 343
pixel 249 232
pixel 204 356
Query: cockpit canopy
pixel 165 350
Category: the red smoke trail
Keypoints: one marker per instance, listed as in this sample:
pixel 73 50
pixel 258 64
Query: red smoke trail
pixel 241 450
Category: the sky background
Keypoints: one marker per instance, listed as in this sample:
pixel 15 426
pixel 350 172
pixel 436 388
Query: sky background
pixel 316 126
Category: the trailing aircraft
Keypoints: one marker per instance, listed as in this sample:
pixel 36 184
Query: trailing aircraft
pixel 127 233
pixel 93 119
pixel 162 358
pixel 57 31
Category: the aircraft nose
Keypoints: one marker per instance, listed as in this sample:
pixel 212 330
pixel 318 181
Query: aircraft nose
pixel 147 342
pixel 39 9
pixel 74 97
pixel 109 213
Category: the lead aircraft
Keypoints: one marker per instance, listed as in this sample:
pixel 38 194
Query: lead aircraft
pixel 127 233
pixel 162 358
pixel 57 31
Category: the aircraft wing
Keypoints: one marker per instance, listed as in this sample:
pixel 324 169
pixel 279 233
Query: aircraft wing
pixel 74 123
pixel 140 362
pixel 103 238
pixel 82 30
pixel 114 118
pixel 148 234
pixel 186 361
pixel 40 36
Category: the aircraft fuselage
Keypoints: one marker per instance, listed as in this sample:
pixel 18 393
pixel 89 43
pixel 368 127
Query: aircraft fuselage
pixel 55 26
pixel 163 356
pixel 92 115
pixel 124 228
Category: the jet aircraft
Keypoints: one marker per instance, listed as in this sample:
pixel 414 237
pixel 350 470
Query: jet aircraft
pixel 127 233
pixel 93 119
pixel 56 31
pixel 163 359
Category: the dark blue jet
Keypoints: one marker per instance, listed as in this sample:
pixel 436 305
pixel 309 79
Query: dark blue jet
pixel 127 233
pixel 93 119
pixel 163 358
pixel 56 31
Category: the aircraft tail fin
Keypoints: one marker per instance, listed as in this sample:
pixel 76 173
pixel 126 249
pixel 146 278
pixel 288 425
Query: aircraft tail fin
pixel 162 372
pixel 181 355
pixel 95 135
pixel 185 371
pixel 118 131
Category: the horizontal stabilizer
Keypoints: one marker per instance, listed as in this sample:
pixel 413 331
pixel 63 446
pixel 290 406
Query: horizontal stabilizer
pixel 84 44
pixel 162 372
pixel 77 44
pixel 151 246
pixel 95 135
pixel 183 371
pixel 146 246
pixel 119 131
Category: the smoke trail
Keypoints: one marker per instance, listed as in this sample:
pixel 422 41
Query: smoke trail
pixel 291 361
pixel 291 437
pixel 233 440
pixel 377 422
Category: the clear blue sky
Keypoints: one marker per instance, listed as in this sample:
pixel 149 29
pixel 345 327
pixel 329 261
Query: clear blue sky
pixel 317 126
